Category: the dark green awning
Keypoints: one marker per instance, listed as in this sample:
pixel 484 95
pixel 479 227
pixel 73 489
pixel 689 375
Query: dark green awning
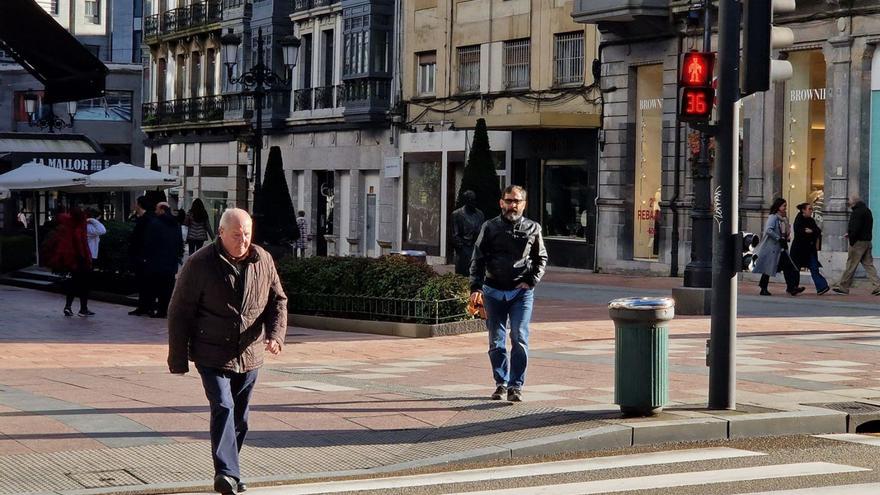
pixel 67 69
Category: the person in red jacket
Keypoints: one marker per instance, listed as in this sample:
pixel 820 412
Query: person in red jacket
pixel 70 254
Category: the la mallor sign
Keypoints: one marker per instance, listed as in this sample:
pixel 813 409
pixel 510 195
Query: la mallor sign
pixel 81 165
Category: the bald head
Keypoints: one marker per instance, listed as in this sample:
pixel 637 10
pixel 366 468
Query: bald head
pixel 854 199
pixel 235 232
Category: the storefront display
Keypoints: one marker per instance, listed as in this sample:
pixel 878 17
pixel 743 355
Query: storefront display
pixel 649 126
pixel 803 175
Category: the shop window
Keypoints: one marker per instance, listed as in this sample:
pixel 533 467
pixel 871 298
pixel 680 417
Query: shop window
pixel 564 199
pixel 421 199
pixel 803 177
pixel 648 154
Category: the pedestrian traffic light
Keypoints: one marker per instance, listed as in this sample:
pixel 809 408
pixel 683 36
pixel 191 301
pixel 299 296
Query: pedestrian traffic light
pixel 695 82
pixel 760 36
pixel 749 256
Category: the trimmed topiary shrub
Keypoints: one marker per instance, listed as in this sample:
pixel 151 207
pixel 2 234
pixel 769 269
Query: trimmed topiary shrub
pixel 113 249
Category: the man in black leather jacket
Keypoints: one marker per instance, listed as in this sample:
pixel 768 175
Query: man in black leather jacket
pixel 509 260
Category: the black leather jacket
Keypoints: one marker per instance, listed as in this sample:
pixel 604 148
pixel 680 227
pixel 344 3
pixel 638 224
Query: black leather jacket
pixel 508 253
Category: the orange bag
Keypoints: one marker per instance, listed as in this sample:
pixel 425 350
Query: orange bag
pixel 476 308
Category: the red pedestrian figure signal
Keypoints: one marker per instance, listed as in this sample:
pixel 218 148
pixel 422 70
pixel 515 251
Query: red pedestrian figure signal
pixel 695 82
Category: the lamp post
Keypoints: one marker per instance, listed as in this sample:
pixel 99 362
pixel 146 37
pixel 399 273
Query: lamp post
pixel 50 121
pixel 258 80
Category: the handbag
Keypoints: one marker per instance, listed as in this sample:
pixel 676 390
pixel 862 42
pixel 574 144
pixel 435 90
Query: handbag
pixel 476 308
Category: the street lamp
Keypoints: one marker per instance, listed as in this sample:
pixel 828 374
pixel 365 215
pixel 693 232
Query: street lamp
pixel 258 80
pixel 50 121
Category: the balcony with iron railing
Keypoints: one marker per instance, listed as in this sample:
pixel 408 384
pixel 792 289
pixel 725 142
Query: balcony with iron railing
pixel 300 6
pixel 318 102
pixel 367 99
pixel 184 20
pixel 207 109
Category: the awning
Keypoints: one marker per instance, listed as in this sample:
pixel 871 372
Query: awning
pixel 66 68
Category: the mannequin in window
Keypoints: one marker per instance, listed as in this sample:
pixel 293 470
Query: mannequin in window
pixel 466 223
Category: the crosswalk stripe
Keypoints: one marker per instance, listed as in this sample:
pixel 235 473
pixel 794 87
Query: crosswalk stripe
pixel 520 471
pixel 861 489
pixel 852 438
pixel 677 479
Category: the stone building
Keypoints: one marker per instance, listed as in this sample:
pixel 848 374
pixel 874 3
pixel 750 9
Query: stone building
pixel 524 66
pixel 812 138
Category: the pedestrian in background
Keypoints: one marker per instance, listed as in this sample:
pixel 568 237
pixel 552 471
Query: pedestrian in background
pixel 773 254
pixel 508 262
pixel 198 227
pixel 466 223
pixel 227 309
pixel 299 246
pixel 806 246
pixel 69 253
pixel 144 216
pixel 859 231
pixel 164 251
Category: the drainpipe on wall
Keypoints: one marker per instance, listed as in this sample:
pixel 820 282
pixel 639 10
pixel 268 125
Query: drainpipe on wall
pixel 676 185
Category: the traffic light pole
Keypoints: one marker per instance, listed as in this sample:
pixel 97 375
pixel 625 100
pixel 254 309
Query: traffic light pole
pixel 722 345
pixel 698 272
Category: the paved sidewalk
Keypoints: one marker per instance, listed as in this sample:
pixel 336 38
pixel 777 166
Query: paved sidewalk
pixel 87 404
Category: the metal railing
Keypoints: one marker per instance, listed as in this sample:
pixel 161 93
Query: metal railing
pixel 303 5
pixel 517 55
pixel 182 18
pixel 302 99
pixel 379 308
pixel 568 58
pixel 367 92
pixel 201 109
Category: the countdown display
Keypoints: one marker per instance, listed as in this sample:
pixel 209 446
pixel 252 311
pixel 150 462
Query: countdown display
pixel 695 85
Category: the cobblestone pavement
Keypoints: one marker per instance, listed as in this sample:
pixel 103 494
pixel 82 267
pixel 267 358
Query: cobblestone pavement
pixel 88 402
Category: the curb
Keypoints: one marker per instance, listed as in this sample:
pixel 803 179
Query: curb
pixel 605 437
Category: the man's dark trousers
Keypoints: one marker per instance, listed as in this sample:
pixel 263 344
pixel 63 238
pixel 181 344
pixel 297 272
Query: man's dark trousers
pixel 229 394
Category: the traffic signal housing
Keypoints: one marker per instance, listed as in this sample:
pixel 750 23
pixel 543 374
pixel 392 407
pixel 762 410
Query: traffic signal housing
pixel 695 84
pixel 758 68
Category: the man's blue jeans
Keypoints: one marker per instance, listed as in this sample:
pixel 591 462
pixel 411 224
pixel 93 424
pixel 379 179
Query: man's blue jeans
pixel 229 394
pixel 515 305
pixel 818 280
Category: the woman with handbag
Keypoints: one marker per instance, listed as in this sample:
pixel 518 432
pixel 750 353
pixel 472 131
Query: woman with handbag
pixel 69 253
pixel 806 245
pixel 773 251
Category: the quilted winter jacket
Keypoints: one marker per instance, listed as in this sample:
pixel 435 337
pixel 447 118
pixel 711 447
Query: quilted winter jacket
pixel 209 326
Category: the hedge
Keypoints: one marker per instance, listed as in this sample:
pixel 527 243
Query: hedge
pixel 341 280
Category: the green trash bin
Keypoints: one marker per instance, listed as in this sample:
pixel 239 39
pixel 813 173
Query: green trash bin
pixel 641 353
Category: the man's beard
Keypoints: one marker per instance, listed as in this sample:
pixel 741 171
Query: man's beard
pixel 512 215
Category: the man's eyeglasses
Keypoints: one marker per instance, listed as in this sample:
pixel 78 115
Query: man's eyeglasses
pixel 509 201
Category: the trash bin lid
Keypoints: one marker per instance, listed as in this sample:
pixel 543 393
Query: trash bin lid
pixel 411 252
pixel 642 303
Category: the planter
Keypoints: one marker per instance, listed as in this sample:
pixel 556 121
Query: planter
pixel 390 328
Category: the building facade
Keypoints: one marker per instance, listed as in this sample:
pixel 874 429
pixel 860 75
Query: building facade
pixel 526 68
pixel 110 31
pixel 339 135
pixel 331 124
pixel 812 138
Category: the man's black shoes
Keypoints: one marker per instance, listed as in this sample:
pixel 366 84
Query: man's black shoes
pixel 225 485
pixel 242 487
pixel 500 392
pixel 514 395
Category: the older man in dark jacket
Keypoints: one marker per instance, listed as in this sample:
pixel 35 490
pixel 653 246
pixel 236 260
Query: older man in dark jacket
pixel 227 307
pixel 508 262
pixel 859 231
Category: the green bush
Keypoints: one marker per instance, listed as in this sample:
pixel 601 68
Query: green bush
pixel 113 249
pixel 16 251
pixel 373 288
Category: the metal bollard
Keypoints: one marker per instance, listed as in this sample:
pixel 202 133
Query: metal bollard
pixel 641 355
